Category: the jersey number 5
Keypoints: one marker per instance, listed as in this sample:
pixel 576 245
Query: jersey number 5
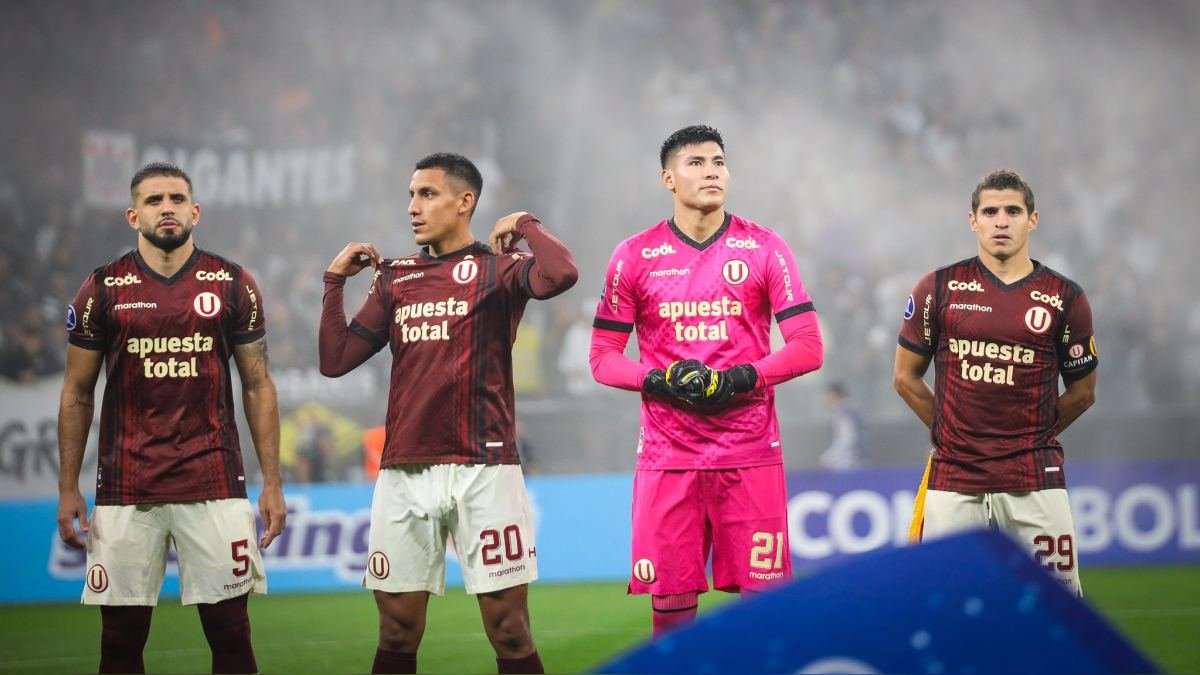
pixel 240 556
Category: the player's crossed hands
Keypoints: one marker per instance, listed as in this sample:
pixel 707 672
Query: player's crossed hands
pixel 696 384
pixel 353 258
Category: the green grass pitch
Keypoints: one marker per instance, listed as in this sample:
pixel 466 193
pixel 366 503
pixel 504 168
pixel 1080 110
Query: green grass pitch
pixel 576 626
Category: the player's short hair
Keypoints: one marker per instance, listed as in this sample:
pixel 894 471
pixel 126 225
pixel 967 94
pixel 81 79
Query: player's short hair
pixel 158 169
pixel 693 135
pixel 1003 179
pixel 457 167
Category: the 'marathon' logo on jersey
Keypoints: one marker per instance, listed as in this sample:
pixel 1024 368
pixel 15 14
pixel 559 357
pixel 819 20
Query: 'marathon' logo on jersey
pixel 150 347
pixel 703 331
pixel 986 372
pixel 428 330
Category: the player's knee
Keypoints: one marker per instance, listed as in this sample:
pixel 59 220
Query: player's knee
pixel 510 634
pixel 126 626
pixel 400 633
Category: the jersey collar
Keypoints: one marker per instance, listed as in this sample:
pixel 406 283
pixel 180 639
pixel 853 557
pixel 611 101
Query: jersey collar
pixel 1037 269
pixel 187 266
pixel 701 245
pixel 474 248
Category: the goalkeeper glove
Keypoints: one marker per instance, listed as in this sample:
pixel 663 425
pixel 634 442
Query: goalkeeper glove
pixel 682 379
pixel 721 385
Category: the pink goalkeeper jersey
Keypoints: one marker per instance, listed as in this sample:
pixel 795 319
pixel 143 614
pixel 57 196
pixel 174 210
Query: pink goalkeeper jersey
pixel 711 301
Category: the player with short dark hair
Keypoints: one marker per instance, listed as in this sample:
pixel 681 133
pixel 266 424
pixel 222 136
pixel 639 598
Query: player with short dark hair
pixel 165 319
pixel 1000 329
pixel 450 467
pixel 701 288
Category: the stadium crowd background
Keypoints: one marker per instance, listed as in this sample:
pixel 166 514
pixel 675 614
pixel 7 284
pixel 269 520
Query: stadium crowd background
pixel 857 130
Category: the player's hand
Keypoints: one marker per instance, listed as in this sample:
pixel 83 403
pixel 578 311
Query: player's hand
pixel 273 510
pixel 683 380
pixel 504 236
pixel 687 379
pixel 721 385
pixel 354 258
pixel 71 506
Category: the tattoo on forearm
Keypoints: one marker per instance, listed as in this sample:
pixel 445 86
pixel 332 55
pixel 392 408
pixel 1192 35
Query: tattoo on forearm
pixel 260 354
pixel 80 402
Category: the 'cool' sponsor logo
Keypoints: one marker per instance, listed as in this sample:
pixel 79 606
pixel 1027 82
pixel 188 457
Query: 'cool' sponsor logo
pixel 661 249
pixel 972 285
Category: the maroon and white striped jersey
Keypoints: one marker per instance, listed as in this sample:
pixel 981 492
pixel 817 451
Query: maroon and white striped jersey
pixel 167 427
pixel 998 351
pixel 450 322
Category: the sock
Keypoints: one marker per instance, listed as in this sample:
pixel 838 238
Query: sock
pixel 123 636
pixel 672 610
pixel 388 661
pixel 227 628
pixel 525 664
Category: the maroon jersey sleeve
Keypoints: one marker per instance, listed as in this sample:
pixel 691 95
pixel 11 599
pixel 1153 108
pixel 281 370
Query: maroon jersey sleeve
pixel 919 330
pixel 1077 347
pixel 552 270
pixel 371 321
pixel 250 321
pixel 85 323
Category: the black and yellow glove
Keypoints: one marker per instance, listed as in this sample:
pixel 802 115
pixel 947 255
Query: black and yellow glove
pixel 721 385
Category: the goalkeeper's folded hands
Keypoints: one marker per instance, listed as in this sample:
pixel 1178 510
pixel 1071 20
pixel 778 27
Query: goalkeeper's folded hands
pixel 694 383
pixel 683 380
pixel 721 385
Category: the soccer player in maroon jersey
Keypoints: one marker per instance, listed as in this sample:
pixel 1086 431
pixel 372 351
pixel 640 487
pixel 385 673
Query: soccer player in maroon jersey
pixel 701 288
pixel 449 315
pixel 163 320
pixel 1000 329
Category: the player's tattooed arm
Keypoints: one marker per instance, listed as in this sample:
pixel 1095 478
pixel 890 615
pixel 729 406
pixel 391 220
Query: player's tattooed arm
pixel 261 404
pixel 76 406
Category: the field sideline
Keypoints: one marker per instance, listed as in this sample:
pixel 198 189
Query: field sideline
pixel 576 626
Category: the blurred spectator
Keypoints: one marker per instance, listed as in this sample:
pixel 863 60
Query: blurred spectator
pixel 845 450
pixel 316 460
pixel 30 355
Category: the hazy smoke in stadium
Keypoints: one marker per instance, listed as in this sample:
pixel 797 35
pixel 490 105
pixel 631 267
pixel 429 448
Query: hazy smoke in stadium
pixel 855 129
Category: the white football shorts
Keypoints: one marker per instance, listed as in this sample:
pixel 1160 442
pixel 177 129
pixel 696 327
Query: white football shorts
pixel 215 541
pixel 1039 521
pixel 483 508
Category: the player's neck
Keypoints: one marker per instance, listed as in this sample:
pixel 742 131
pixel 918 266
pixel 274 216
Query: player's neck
pixel 1009 269
pixel 458 240
pixel 165 263
pixel 696 224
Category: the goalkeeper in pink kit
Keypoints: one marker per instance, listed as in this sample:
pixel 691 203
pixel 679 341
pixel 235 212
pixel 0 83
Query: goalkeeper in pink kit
pixel 701 289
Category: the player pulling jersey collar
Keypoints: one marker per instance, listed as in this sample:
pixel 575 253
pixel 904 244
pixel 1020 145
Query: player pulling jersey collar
pixel 472 248
pixel 701 245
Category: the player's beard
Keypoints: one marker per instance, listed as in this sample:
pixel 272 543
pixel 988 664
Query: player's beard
pixel 167 242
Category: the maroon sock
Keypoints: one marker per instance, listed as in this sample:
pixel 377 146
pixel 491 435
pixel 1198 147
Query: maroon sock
pixel 388 661
pixel 672 610
pixel 123 636
pixel 525 664
pixel 227 628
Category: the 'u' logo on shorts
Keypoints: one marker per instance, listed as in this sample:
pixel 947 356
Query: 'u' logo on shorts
pixel 643 571
pixel 378 565
pixel 97 578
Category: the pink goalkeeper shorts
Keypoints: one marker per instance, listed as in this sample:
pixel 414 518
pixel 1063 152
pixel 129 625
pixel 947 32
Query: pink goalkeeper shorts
pixel 678 516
